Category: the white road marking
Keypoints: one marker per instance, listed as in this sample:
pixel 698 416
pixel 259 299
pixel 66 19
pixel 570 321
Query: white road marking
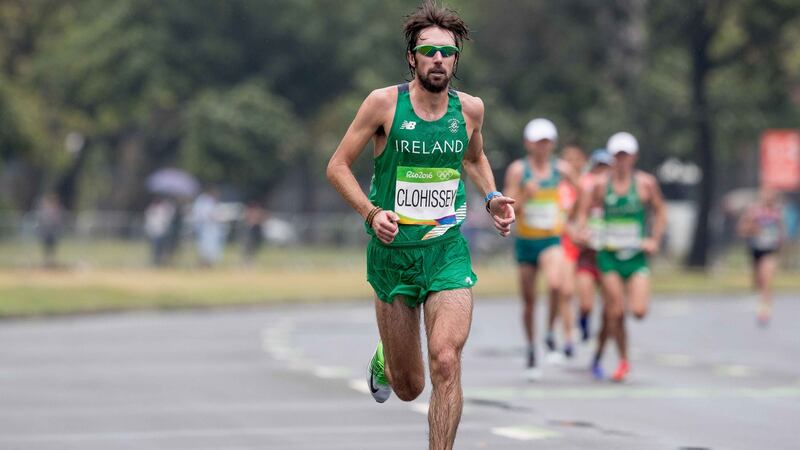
pixel 675 360
pixel 421 408
pixel 126 408
pixel 305 429
pixel 332 372
pixel 524 433
pixel 734 370
pixel 359 385
pixel 629 392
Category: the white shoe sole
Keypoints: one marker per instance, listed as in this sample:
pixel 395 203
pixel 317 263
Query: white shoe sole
pixel 379 392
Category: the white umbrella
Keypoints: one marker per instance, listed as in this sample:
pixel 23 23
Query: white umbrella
pixel 170 181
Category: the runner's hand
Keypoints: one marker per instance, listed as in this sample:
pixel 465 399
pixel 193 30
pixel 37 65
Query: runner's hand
pixel 502 213
pixel 385 225
pixel 650 246
pixel 581 237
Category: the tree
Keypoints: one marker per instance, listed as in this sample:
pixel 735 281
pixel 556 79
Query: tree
pixel 245 137
pixel 724 40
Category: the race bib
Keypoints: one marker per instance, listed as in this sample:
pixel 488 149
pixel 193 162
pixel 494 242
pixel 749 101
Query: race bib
pixel 426 196
pixel 542 214
pixel 623 235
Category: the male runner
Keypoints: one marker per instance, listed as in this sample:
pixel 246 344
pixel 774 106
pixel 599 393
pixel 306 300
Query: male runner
pixel 423 132
pixel 588 276
pixel 762 226
pixel 533 182
pixel 626 196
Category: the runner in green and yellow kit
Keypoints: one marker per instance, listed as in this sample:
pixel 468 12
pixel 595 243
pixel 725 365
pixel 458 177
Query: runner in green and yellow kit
pixel 424 133
pixel 626 196
pixel 533 181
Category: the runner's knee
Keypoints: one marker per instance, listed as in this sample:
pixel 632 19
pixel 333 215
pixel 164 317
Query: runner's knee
pixel 444 364
pixel 639 312
pixel 529 307
pixel 408 386
pixel 613 313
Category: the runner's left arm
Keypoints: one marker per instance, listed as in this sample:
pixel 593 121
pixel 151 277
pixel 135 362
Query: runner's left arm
pixel 572 177
pixel 658 210
pixel 568 173
pixel 478 169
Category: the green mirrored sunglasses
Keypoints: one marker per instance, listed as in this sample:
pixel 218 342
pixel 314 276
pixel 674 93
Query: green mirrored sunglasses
pixel 430 50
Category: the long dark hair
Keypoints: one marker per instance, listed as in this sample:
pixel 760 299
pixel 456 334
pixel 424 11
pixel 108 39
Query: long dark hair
pixel 429 14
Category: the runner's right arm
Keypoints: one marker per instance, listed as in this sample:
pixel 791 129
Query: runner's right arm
pixel 370 118
pixel 745 225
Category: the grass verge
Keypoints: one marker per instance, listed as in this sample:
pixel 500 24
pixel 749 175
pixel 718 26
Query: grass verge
pixel 26 292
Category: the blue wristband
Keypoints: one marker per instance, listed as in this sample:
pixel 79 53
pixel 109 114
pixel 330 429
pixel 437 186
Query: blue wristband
pixel 490 196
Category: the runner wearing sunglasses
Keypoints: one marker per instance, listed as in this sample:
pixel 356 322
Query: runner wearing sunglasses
pixel 426 137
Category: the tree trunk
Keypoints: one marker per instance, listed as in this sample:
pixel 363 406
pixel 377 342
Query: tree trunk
pixel 701 66
pixel 67 185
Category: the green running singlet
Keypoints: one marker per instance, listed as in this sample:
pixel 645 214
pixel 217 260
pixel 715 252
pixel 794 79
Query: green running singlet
pixel 625 218
pixel 418 174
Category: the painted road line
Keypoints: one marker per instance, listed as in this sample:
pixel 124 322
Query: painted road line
pixel 420 407
pixel 275 340
pixel 628 392
pixel 306 429
pixel 128 409
pixel 675 360
pixel 359 384
pixel 332 372
pixel 734 370
pixel 524 433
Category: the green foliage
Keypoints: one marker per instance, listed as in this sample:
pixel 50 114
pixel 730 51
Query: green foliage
pixel 245 136
pixel 13 142
pixel 235 89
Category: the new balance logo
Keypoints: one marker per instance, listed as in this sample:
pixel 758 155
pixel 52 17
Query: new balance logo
pixel 408 125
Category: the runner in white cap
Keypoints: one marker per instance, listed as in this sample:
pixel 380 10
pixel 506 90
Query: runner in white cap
pixel 626 196
pixel 532 181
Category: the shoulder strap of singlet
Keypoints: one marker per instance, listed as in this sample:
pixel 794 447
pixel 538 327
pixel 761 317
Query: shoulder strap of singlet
pixel 528 171
pixel 554 169
pixel 402 88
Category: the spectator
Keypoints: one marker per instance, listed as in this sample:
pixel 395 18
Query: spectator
pixel 50 219
pixel 254 217
pixel 209 228
pixel 157 219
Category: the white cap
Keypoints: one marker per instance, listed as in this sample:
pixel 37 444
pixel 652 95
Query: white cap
pixel 538 129
pixel 622 142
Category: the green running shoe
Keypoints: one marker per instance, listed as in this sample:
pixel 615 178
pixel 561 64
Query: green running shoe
pixel 376 377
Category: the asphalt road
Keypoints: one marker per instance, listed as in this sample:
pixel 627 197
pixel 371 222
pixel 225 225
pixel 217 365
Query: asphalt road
pixel 703 376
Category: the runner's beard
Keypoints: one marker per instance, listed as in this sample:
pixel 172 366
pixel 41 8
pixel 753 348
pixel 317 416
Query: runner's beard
pixel 434 86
